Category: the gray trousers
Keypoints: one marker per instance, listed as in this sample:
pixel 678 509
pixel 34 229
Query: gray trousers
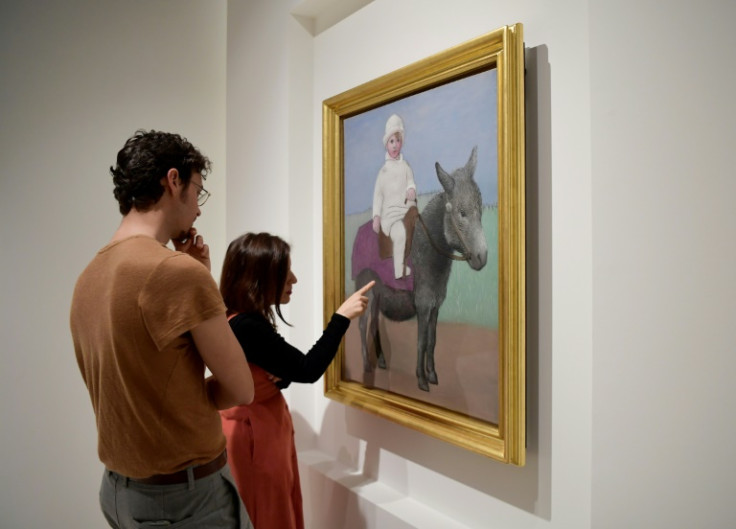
pixel 209 502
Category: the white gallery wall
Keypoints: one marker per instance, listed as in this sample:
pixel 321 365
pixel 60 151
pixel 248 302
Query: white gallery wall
pixel 361 471
pixel 631 247
pixel 631 242
pixel 77 78
pixel 664 256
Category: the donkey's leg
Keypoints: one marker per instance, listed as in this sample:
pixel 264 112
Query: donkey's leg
pixel 363 321
pixel 422 321
pixel 431 342
pixel 363 325
pixel 375 310
pixel 368 321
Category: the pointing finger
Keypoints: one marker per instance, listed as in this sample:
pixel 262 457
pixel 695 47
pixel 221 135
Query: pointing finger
pixel 366 288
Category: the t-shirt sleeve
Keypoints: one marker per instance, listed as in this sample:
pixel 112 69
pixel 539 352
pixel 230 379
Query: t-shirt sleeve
pixel 178 295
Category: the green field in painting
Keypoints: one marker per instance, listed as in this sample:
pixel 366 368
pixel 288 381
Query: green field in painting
pixel 472 296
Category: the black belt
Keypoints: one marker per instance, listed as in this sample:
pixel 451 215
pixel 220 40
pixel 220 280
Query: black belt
pixel 182 476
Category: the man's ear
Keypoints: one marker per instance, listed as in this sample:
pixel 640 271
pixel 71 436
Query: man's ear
pixel 172 182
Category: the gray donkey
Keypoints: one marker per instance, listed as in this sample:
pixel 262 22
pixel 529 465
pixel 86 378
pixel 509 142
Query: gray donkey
pixel 449 223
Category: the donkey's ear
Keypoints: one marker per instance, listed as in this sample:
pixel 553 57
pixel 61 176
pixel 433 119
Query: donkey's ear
pixel 448 183
pixel 472 161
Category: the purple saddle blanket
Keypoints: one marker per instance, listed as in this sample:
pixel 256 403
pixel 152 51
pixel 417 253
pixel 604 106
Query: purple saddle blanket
pixel 365 255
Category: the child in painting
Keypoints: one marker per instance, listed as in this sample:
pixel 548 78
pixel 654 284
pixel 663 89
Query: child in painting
pixel 394 193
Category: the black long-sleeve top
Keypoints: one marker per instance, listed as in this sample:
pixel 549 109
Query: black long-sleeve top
pixel 267 349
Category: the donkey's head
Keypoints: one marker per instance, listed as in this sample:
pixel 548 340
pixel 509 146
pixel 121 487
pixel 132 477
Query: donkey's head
pixel 463 209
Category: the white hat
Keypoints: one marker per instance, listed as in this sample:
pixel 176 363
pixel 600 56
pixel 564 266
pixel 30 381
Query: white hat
pixel 393 125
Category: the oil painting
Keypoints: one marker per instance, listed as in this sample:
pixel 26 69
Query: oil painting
pixel 423 185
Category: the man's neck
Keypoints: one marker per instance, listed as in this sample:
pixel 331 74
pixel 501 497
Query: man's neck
pixel 150 223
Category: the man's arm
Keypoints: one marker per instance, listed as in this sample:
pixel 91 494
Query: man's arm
pixel 231 383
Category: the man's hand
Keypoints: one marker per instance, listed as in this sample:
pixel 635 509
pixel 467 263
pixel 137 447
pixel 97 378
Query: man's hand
pixel 194 245
pixel 411 194
pixel 376 223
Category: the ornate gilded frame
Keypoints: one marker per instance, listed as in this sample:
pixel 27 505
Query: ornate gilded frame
pixel 502 49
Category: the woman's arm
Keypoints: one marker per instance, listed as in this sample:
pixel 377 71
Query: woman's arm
pixel 268 349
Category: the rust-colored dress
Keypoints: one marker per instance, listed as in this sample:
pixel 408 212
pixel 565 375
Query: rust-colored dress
pixel 260 436
pixel 263 464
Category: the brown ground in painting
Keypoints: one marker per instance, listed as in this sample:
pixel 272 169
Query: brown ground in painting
pixel 466 361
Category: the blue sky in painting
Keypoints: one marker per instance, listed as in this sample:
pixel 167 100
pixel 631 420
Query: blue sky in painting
pixel 441 125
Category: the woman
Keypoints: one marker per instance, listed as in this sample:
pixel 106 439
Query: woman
pixel 256 280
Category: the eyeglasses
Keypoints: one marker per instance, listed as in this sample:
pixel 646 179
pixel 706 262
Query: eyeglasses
pixel 202 195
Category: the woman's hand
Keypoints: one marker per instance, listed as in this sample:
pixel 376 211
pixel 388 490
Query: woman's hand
pixel 355 305
pixel 376 223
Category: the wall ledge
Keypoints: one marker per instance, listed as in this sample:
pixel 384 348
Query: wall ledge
pixel 335 494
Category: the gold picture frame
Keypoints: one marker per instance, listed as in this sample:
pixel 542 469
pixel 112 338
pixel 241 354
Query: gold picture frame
pixel 495 60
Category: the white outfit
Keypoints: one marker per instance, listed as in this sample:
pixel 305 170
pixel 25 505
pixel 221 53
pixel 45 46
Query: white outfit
pixel 390 203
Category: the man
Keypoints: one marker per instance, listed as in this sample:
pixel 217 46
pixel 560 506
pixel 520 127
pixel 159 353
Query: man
pixel 145 321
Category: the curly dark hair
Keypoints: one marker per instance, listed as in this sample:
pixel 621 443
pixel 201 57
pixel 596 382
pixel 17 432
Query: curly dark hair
pixel 254 275
pixel 145 159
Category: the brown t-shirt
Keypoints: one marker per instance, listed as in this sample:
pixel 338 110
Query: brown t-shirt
pixel 131 314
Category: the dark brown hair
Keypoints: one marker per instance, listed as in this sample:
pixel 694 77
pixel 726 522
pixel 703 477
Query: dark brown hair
pixel 254 275
pixel 145 159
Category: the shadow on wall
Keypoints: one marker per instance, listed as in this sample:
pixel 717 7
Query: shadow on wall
pixel 330 503
pixel 527 488
pixel 538 112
